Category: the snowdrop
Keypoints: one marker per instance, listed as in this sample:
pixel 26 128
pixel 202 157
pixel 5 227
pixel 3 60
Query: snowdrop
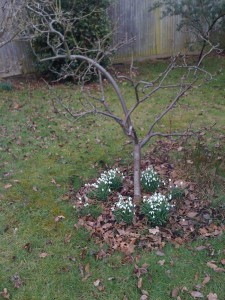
pixel 156 209
pixel 150 180
pixel 124 209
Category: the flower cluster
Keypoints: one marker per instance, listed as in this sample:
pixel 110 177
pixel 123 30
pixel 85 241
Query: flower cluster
pixel 156 209
pixel 108 181
pixel 124 210
pixel 150 180
pixel 176 191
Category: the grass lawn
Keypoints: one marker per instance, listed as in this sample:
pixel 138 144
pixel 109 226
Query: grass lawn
pixel 43 157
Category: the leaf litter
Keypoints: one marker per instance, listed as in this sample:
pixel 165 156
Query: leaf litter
pixel 191 216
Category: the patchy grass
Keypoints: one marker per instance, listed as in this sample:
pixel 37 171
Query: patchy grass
pixel 43 155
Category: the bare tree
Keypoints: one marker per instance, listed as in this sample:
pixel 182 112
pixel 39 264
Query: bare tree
pixel 47 18
pixel 192 76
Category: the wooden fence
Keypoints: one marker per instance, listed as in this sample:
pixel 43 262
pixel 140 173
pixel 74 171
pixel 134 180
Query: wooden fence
pixel 153 37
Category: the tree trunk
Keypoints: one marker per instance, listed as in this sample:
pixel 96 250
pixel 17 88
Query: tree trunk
pixel 137 173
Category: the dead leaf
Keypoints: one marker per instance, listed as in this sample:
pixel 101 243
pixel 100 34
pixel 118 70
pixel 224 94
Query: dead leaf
pixel 212 296
pixel 161 262
pixel 196 276
pixel 87 268
pixel 4 294
pixel 197 294
pixel 175 292
pixel 200 248
pixel 16 106
pixel 58 218
pixel 97 282
pixel 159 253
pixel 192 214
pixel 223 261
pixel 65 197
pixel 101 288
pixel 145 292
pixel 67 238
pixel 139 284
pixel 190 162
pixel 7 186
pixel 154 230
pixel 213 266
pixel 34 188
pixel 206 280
pixel 17 281
pixel 27 247
pixel 81 268
pixel 144 297
pixel 43 255
pixel 53 181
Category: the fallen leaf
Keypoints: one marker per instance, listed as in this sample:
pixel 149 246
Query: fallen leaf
pixel 17 281
pixel 159 253
pixel 81 268
pixel 53 181
pixel 43 255
pixel 101 288
pixel 145 292
pixel 65 197
pixel 58 218
pixel 139 284
pixel 111 278
pixel 213 266
pixel 175 292
pixel 87 268
pixel 154 230
pixel 200 248
pixel 97 282
pixel 206 280
pixel 190 162
pixel 197 294
pixel 16 106
pixel 192 214
pixel 144 297
pixel 212 296
pixel 7 186
pixel 27 247
pixel 34 188
pixel 4 294
pixel 67 238
pixel 161 262
pixel 223 261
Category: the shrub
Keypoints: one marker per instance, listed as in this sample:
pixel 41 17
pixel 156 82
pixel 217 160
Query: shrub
pixel 82 22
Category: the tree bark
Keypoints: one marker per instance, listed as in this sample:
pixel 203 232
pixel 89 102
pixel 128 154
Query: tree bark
pixel 137 173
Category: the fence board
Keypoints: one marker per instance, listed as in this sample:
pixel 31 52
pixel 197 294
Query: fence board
pixel 154 37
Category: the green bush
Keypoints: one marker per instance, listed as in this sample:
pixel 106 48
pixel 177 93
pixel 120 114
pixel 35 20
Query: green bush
pixel 90 24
